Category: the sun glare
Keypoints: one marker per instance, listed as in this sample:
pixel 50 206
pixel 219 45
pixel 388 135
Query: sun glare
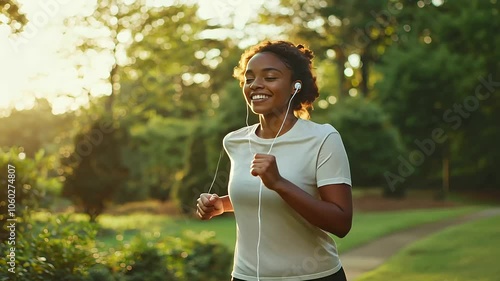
pixel 41 61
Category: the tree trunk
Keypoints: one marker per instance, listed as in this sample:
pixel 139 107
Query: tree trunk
pixel 365 74
pixel 446 173
pixel 340 59
pixel 113 79
pixel 445 183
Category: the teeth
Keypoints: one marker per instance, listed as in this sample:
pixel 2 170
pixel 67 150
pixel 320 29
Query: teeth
pixel 259 97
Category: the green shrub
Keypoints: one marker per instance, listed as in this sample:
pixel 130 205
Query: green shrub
pixel 196 178
pixel 199 257
pixel 57 250
pixel 101 272
pixel 191 257
pixel 144 261
pixel 32 181
pixel 60 249
pixel 372 143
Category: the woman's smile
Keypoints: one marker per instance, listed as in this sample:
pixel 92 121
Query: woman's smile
pixel 267 85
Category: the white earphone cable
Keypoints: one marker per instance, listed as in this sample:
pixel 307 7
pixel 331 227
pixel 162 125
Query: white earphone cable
pixel 259 212
pixel 216 170
pixel 261 184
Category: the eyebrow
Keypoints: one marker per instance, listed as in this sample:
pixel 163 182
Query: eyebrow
pixel 265 70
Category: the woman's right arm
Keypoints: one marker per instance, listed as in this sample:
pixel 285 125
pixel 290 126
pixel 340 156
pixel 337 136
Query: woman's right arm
pixel 211 205
pixel 226 202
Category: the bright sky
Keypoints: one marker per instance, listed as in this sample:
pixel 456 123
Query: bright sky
pixel 36 64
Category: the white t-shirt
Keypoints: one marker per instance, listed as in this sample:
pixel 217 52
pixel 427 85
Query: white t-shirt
pixel 309 155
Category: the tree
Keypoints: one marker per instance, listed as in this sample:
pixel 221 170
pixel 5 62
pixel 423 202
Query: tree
pixel 372 143
pixel 94 171
pixel 196 179
pixel 175 79
pixel 430 88
pixel 34 129
pixel 354 34
pixel 116 23
pixel 155 154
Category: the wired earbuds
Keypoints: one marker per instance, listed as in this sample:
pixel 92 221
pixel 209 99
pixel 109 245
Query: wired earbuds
pixel 297 86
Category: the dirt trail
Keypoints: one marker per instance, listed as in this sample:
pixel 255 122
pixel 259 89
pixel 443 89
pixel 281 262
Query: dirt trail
pixel 369 256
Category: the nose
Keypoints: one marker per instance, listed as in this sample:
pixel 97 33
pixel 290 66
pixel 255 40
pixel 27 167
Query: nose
pixel 255 84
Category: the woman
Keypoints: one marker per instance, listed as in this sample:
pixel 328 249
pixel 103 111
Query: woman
pixel 290 181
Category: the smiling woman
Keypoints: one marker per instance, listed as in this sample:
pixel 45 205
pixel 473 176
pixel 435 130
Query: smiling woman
pixel 288 175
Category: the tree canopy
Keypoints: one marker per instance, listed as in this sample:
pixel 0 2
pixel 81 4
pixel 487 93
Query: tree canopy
pixel 409 84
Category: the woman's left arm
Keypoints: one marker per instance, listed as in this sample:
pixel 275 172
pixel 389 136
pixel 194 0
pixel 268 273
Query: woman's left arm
pixel 332 213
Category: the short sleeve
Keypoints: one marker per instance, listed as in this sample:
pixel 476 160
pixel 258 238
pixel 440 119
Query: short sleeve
pixel 332 166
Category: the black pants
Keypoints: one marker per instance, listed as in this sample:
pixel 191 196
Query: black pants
pixel 338 276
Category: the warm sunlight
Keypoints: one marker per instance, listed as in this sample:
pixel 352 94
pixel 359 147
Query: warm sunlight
pixel 44 62
pixel 37 63
pixel 179 139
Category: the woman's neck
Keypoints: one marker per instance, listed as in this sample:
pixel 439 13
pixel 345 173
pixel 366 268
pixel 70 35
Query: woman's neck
pixel 271 124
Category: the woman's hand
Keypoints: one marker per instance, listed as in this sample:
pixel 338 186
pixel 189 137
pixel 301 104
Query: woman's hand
pixel 264 166
pixel 209 206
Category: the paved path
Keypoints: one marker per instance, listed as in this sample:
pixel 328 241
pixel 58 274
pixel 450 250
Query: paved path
pixel 371 255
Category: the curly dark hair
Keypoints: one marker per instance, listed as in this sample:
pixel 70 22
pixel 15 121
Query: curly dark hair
pixel 298 59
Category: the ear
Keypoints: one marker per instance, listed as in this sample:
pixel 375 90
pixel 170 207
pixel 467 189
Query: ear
pixel 297 86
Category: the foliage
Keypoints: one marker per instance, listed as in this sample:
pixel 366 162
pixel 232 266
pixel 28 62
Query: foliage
pixel 33 180
pixel 196 178
pixel 371 142
pixel 172 79
pixel 35 129
pixel 58 250
pixel 436 80
pixel 155 155
pixel 145 263
pixel 94 171
pixel 338 29
pixel 64 249
pixel 198 257
pixel 167 76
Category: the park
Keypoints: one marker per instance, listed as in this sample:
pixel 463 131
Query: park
pixel 113 115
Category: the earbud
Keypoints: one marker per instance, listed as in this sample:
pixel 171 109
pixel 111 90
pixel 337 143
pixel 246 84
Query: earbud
pixel 296 87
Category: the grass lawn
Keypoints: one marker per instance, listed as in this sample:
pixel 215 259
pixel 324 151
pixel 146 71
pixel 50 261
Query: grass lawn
pixel 124 228
pixel 366 226
pixel 369 226
pixel 460 253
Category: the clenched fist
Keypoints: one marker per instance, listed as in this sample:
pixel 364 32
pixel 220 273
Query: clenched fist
pixel 209 206
pixel 264 166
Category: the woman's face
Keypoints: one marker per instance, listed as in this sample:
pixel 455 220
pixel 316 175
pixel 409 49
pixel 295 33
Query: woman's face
pixel 268 84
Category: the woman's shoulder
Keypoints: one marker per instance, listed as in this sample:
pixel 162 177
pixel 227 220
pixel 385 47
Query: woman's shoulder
pixel 240 133
pixel 317 128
